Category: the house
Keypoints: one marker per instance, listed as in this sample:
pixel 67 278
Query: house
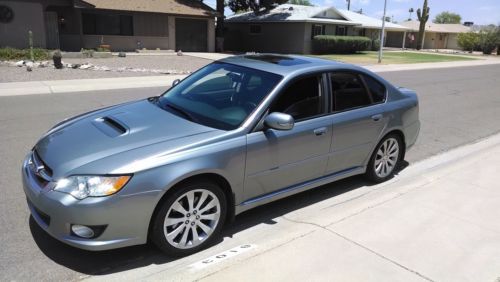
pixel 437 36
pixel 291 28
pixel 124 25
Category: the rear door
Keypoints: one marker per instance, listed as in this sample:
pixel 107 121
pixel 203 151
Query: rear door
pixel 358 119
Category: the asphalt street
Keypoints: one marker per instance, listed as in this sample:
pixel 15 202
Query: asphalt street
pixel 457 106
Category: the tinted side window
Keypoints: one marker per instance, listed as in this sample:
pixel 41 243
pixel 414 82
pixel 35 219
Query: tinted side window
pixel 348 91
pixel 302 99
pixel 376 88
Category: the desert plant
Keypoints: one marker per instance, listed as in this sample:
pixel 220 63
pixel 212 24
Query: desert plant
pixel 468 41
pixel 423 17
pixel 331 44
pixel 488 39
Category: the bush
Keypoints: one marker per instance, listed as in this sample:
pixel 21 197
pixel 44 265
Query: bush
pixel 331 44
pixel 375 44
pixel 489 39
pixel 468 41
pixel 23 54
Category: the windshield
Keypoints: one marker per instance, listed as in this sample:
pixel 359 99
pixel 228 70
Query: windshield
pixel 219 95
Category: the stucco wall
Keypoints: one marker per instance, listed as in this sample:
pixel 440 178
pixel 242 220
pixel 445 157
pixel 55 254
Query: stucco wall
pixel 27 16
pixel 125 43
pixel 286 38
pixel 453 41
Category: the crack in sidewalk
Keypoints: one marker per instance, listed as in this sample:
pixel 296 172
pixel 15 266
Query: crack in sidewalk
pixel 361 246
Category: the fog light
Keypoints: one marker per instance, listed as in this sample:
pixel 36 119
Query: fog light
pixel 82 231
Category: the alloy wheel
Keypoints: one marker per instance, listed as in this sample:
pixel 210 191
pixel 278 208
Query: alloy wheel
pixel 386 158
pixel 192 218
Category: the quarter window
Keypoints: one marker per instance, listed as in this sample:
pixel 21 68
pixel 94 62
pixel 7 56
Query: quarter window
pixel 302 99
pixel 377 89
pixel 348 92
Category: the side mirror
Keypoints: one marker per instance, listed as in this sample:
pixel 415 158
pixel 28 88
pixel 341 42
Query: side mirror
pixel 279 121
pixel 175 82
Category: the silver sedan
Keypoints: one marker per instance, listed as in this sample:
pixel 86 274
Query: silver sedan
pixel 238 133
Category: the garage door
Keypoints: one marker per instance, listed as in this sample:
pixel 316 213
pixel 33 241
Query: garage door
pixel 191 35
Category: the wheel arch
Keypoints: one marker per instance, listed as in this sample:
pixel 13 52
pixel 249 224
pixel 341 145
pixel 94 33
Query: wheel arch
pixel 220 180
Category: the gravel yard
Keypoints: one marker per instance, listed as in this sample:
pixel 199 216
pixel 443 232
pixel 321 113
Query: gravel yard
pixel 119 67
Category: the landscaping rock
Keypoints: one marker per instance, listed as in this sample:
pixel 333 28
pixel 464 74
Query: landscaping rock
pixel 29 66
pixel 179 53
pixel 122 54
pixel 20 63
pixel 86 66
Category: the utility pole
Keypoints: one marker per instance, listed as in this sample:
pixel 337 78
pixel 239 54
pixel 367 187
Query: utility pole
pixel 348 4
pixel 382 34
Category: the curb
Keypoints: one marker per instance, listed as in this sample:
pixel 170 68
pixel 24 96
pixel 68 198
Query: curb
pixel 99 84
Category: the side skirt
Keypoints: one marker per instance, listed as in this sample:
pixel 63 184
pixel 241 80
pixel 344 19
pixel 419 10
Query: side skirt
pixel 288 191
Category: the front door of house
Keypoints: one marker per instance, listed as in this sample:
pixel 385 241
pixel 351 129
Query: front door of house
pixel 52 30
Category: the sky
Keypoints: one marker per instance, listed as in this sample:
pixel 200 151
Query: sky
pixel 477 11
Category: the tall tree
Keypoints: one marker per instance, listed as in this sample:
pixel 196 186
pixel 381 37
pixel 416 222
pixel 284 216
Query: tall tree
pixel 255 5
pixel 219 29
pixel 423 17
pixel 300 2
pixel 447 18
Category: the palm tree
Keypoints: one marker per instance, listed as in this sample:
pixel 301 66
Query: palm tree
pixel 219 31
pixel 411 11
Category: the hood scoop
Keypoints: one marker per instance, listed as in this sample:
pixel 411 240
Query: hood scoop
pixel 110 126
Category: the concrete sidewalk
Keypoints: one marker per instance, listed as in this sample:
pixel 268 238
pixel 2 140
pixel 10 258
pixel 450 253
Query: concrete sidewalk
pixel 78 85
pixel 438 220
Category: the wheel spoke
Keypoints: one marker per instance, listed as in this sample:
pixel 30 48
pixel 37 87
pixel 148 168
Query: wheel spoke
pixel 190 199
pixel 173 221
pixel 202 199
pixel 213 216
pixel 176 232
pixel 379 167
pixel 210 205
pixel 183 240
pixel 179 208
pixel 204 227
pixel 196 237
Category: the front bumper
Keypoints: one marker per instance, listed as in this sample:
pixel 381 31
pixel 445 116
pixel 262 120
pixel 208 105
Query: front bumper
pixel 126 217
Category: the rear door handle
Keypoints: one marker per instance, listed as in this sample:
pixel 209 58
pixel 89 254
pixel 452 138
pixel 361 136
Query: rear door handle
pixel 320 131
pixel 377 117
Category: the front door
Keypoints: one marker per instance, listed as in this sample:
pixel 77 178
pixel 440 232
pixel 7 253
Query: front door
pixel 52 29
pixel 281 159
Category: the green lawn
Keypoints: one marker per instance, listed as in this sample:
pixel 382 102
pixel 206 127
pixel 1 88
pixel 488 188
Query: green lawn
pixel 392 57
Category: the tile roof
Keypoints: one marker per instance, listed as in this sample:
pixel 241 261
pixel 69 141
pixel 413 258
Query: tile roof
pixel 182 7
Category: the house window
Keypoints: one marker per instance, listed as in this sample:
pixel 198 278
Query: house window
pixel 106 24
pixel 317 29
pixel 255 29
pixel 341 30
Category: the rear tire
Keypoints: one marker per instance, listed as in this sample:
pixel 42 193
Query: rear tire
pixel 190 219
pixel 385 159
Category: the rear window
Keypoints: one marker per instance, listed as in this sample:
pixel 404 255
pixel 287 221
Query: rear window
pixel 348 91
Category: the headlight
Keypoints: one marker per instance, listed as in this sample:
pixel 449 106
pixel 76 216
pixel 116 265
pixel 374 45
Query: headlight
pixel 82 187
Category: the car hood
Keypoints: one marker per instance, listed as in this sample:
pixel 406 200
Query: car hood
pixel 115 130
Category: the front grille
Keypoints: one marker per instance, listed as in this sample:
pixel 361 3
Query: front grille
pixel 45 218
pixel 41 171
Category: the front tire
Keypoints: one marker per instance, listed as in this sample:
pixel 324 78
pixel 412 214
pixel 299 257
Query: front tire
pixel 385 159
pixel 190 219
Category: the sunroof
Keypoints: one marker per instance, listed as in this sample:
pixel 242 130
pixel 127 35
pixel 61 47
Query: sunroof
pixel 277 60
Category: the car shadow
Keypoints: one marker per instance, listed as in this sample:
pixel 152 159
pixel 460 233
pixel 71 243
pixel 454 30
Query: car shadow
pixel 107 262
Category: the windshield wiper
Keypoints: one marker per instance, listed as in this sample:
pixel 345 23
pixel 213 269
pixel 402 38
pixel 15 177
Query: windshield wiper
pixel 181 111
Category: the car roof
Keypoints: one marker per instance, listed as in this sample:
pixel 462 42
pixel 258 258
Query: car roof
pixel 285 65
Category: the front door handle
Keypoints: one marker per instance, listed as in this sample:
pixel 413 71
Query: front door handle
pixel 377 117
pixel 320 131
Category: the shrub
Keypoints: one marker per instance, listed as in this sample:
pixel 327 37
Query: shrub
pixel 23 54
pixel 328 44
pixel 468 41
pixel 375 44
pixel 489 39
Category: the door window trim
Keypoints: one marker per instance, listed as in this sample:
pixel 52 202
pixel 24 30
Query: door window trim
pixel 365 86
pixel 323 88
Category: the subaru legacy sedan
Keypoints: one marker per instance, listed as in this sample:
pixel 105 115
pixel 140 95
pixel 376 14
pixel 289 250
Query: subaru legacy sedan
pixel 238 133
